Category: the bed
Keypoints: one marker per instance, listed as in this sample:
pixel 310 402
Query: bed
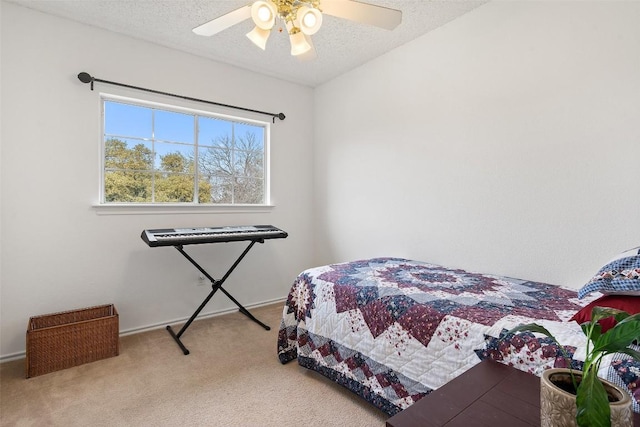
pixel 392 330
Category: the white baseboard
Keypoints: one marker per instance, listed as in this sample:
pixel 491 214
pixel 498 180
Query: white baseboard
pixel 152 327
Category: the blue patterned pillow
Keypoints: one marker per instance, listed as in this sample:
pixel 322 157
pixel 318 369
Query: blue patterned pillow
pixel 627 253
pixel 621 276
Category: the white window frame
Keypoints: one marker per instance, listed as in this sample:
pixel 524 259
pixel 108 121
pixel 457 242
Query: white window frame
pixel 103 207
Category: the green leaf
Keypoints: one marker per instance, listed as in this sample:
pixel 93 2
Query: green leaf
pixel 631 352
pixel 627 318
pixel 592 331
pixel 532 327
pixel 598 313
pixel 618 338
pixel 592 403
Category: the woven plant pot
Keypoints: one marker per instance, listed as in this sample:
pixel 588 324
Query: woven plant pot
pixel 558 407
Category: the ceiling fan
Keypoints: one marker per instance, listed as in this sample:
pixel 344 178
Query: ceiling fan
pixel 301 18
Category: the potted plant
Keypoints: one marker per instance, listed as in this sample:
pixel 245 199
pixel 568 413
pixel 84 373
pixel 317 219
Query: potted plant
pixel 592 403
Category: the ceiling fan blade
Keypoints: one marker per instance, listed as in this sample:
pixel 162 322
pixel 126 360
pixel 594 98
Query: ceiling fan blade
pixel 223 22
pixel 378 16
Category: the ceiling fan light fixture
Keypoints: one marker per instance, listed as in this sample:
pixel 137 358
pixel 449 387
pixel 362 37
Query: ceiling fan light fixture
pixel 263 14
pixel 302 19
pixel 309 20
pixel 299 44
pixel 259 37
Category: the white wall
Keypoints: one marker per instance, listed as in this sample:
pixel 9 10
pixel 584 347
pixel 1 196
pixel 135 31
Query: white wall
pixel 505 142
pixel 57 252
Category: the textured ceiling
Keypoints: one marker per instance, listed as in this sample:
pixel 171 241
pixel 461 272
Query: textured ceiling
pixel 340 45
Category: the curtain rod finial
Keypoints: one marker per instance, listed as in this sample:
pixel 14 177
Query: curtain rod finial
pixel 85 77
pixel 281 116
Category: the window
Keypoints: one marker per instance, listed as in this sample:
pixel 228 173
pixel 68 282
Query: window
pixel 155 154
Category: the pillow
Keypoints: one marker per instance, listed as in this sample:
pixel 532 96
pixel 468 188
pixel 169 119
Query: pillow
pixel 630 304
pixel 625 254
pixel 620 276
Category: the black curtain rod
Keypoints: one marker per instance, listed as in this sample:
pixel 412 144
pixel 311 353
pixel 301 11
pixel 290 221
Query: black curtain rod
pixel 88 78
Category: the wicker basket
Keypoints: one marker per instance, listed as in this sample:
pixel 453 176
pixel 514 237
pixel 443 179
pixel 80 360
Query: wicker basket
pixel 62 340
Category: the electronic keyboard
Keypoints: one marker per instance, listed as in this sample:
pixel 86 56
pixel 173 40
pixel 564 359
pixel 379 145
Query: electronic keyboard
pixel 177 237
pixel 192 236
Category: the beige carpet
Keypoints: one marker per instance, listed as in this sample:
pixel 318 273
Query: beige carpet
pixel 231 378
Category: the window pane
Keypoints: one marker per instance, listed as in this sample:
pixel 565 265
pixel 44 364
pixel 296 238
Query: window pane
pixel 242 129
pixel 248 164
pixel 212 132
pixel 249 190
pixel 174 187
pixel 215 161
pixel 176 158
pixel 221 189
pixel 123 153
pixel 204 191
pixel 123 187
pixel 127 120
pixel 170 126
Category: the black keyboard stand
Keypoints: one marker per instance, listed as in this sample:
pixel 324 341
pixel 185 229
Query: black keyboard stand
pixel 215 286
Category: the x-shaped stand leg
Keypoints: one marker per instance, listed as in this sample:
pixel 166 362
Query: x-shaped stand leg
pixel 215 286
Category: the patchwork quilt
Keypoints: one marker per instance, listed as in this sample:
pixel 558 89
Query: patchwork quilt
pixel 392 330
